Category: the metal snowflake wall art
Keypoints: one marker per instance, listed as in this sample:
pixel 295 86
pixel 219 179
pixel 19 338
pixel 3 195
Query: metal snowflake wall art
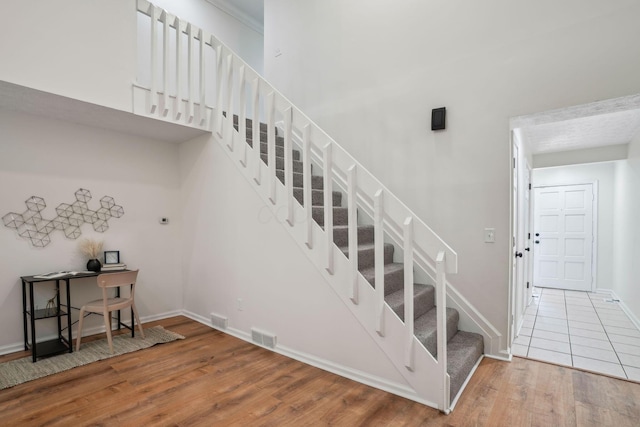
pixel 70 217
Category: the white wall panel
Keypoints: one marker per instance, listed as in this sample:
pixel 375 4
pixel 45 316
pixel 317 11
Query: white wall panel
pixel 626 272
pixel 80 49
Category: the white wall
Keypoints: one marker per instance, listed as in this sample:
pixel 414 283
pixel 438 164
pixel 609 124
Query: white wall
pixel 87 50
pixel 626 272
pixel 244 41
pixel 53 159
pixel 369 72
pixel 234 248
pixel 76 48
pixel 575 157
pixel 604 174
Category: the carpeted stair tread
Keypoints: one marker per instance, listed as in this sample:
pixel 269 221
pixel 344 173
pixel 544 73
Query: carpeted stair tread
pixel 423 300
pixel 317 197
pixel 463 351
pixel 297 164
pixel 263 140
pixel 425 328
pixel 366 265
pixel 249 122
pixel 264 149
pixel 317 182
pixel 341 235
pixel 249 134
pixel 340 215
pixel 366 256
pixel 393 277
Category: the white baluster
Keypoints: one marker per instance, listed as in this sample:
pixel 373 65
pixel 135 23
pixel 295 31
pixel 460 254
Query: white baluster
pixel 408 292
pixel 328 202
pixel 441 322
pixel 255 98
pixel 202 78
pixel 219 92
pixel 177 109
pixel 378 219
pixel 306 183
pixel 271 146
pixel 228 106
pixel 153 96
pixel 242 116
pixel 288 163
pixel 190 95
pixel 164 17
pixel 353 231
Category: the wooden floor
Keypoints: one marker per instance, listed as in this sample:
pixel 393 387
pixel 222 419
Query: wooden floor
pixel 213 379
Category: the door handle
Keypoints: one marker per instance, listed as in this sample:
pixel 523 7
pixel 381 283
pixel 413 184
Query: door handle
pixel 518 254
pixel 537 242
pixel 527 249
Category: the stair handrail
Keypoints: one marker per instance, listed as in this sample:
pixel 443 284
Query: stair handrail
pixel 422 245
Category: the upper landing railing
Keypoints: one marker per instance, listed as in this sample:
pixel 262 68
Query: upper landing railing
pixel 187 75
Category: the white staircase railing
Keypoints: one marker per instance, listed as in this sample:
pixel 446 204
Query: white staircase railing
pixel 194 79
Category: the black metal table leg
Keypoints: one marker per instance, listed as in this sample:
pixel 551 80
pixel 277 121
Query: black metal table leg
pixel 58 308
pixel 24 315
pixel 69 315
pixel 33 323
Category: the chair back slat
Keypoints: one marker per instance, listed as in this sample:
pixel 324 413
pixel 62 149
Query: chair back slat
pixel 112 280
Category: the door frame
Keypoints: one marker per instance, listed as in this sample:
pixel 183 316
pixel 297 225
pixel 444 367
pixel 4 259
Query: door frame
pixel 528 261
pixel 518 269
pixel 594 223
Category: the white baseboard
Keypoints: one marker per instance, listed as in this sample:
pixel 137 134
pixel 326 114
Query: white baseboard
pixel 504 355
pixel 11 348
pixel 623 306
pixel 344 371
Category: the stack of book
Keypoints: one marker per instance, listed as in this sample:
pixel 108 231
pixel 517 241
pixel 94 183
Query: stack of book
pixel 113 267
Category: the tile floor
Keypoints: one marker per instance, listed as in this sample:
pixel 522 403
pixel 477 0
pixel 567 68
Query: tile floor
pixel 580 329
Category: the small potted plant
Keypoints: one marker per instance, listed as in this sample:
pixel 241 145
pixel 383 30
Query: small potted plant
pixel 92 249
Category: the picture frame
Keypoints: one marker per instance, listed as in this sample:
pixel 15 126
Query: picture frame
pixel 111 257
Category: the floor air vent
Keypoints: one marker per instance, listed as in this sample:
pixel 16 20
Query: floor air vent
pixel 219 322
pixel 263 338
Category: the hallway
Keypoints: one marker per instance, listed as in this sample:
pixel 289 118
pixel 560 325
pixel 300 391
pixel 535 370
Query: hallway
pixel 580 329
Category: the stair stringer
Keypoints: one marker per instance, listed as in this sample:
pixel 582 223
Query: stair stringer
pixel 423 377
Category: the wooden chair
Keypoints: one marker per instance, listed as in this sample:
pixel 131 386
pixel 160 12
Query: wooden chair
pixel 106 305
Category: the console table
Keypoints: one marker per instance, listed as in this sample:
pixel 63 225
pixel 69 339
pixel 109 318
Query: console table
pixel 30 314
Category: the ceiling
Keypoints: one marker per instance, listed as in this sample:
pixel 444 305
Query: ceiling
pixel 599 124
pixel 253 8
pixel 249 12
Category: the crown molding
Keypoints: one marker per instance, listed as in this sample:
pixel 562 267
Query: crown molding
pixel 229 8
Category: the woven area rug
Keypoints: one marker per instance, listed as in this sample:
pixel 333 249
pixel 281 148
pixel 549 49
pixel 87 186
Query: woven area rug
pixel 22 370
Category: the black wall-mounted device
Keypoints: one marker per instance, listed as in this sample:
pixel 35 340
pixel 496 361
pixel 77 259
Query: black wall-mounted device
pixel 438 118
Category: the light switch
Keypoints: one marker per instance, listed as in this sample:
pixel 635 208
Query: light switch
pixel 489 235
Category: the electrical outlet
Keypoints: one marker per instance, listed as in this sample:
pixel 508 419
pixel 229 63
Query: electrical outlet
pixel 489 235
pixel 239 304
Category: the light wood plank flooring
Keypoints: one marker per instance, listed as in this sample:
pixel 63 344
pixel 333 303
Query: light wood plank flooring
pixel 213 379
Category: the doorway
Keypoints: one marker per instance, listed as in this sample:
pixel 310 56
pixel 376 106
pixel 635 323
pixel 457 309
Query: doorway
pixel 564 237
pixel 580 138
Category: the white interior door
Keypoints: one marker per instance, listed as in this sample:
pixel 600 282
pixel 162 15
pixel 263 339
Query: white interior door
pixel 563 238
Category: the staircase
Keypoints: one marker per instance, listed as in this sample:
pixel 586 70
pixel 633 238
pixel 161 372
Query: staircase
pixel 464 349
pixel 391 275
